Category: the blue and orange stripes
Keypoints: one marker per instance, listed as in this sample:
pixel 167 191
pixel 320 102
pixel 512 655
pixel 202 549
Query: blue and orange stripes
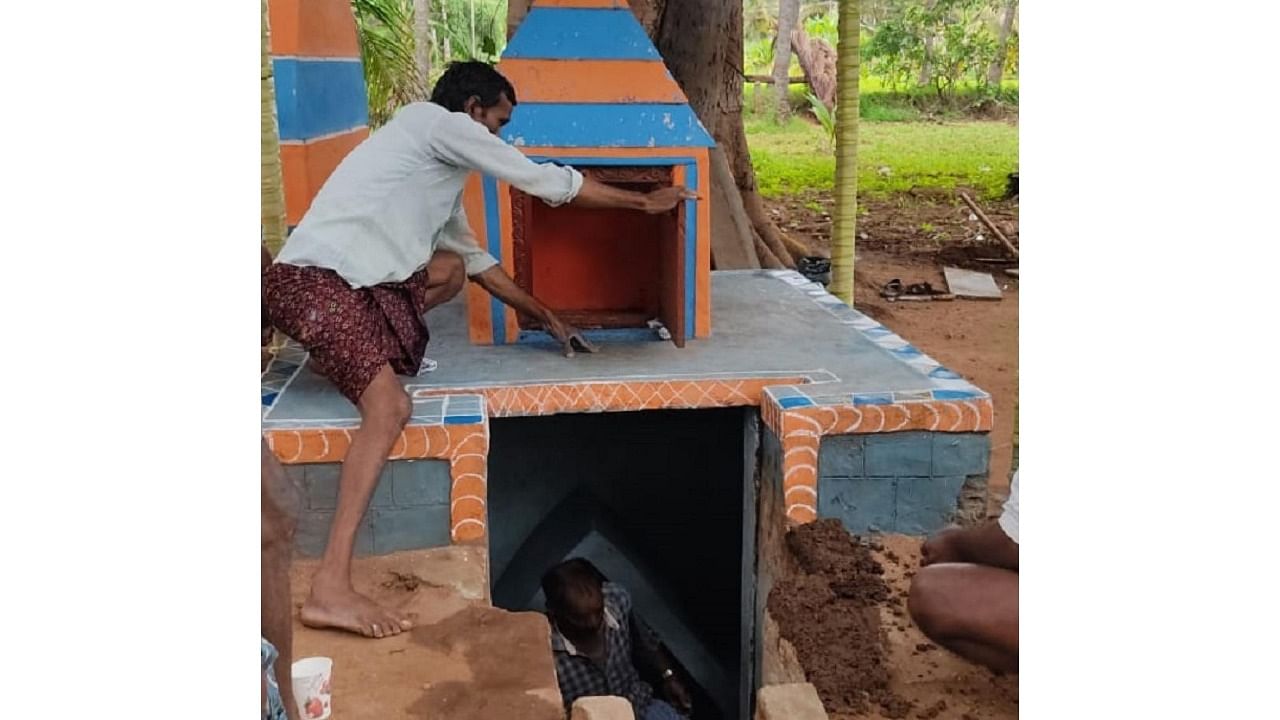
pixel 593 90
pixel 321 101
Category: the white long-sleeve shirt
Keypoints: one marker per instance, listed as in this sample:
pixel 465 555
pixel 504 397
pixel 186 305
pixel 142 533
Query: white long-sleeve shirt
pixel 1009 518
pixel 397 197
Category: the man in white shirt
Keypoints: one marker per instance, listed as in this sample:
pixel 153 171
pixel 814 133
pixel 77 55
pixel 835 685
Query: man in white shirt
pixel 384 241
pixel 965 597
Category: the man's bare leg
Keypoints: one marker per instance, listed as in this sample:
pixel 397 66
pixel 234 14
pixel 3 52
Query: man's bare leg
pixel 279 520
pixel 446 274
pixel 971 610
pixel 384 410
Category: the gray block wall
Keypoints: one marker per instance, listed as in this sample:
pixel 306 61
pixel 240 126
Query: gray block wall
pixel 909 482
pixel 409 509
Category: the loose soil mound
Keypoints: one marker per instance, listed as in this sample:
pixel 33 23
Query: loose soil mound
pixel 829 612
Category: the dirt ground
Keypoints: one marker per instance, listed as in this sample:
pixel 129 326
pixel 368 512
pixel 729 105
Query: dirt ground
pixel 910 237
pixel 845 614
pixel 463 660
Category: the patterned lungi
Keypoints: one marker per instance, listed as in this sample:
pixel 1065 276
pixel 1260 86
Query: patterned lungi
pixel 350 332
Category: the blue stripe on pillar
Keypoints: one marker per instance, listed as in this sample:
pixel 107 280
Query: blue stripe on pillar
pixel 581 34
pixel 570 125
pixel 690 253
pixel 493 238
pixel 318 97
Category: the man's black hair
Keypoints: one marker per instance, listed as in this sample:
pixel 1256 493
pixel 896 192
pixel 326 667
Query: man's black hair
pixel 571 577
pixel 471 78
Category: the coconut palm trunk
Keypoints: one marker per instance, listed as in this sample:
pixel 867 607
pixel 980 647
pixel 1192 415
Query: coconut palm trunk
pixel 844 228
pixel 273 218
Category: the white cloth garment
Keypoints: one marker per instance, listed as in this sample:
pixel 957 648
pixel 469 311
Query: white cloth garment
pixel 1009 518
pixel 397 197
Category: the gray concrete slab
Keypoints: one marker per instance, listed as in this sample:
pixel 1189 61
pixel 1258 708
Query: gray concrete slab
pixel 764 324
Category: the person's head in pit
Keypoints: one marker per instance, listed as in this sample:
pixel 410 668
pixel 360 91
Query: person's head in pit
pixel 575 600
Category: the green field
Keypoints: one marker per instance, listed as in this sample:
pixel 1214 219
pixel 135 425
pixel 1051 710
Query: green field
pixel 892 156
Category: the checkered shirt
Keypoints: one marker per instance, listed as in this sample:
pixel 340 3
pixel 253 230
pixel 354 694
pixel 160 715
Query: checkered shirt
pixel 580 676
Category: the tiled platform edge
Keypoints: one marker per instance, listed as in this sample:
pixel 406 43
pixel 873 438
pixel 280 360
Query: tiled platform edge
pixel 452 428
pixel 804 417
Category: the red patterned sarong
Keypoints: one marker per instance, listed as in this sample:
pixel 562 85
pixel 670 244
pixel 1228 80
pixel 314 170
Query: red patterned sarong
pixel 350 332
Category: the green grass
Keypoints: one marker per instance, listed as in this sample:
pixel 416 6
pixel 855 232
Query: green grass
pixel 892 156
pixel 878 103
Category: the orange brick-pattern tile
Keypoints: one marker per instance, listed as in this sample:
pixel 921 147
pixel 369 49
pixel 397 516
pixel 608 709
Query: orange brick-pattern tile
pixel 553 398
pixel 801 430
pixel 466 447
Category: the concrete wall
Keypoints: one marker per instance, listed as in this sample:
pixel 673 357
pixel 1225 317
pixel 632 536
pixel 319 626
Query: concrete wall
pixel 775 659
pixel 908 482
pixel 409 510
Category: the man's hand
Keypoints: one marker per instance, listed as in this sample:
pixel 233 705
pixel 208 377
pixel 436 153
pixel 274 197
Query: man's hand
pixel 667 198
pixel 677 694
pixel 569 336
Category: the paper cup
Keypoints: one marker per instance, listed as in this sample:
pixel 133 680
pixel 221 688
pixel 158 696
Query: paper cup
pixel 311 687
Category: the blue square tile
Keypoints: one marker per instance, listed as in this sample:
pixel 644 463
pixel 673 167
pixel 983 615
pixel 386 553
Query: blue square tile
pixel 873 398
pixel 906 351
pixel 903 454
pixel 793 402
pixel 463 420
pixel 268 398
pixel 842 456
pixel 955 394
pixel 926 504
pixel 943 373
pixel 961 453
pixel 862 504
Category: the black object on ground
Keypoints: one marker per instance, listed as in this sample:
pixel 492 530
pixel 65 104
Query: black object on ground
pixel 816 269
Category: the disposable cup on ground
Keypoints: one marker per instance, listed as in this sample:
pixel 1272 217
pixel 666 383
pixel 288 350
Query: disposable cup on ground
pixel 312 678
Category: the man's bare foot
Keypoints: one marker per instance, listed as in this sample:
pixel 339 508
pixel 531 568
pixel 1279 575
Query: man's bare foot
pixel 346 609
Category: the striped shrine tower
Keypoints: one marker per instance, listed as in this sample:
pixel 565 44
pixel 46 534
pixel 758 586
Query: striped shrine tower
pixel 593 92
pixel 321 104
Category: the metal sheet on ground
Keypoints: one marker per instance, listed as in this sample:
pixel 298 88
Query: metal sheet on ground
pixel 970 284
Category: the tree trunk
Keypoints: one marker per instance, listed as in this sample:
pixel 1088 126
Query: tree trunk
pixel 926 66
pixel 516 10
pixel 996 74
pixel 274 224
pixel 422 40
pixel 818 61
pixel 446 51
pixel 701 43
pixel 844 229
pixel 473 30
pixel 788 16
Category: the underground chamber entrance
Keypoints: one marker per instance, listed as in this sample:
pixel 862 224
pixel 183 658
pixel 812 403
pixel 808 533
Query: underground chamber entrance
pixel 656 500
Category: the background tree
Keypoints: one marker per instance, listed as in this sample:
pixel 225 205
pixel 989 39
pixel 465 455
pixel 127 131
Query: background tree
pixel 273 213
pixel 422 42
pixel 846 190
pixel 996 75
pixel 788 15
pixel 388 51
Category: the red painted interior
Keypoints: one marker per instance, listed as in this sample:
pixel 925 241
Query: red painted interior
pixel 604 268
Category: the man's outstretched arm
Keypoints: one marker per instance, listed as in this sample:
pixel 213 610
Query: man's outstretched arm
pixel 595 194
pixel 499 284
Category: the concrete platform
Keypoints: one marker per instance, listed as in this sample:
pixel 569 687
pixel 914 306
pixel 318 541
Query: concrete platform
pixel 814 367
pixel 463 660
pixel 769 328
